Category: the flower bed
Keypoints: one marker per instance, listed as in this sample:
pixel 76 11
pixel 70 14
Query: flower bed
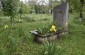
pixel 41 36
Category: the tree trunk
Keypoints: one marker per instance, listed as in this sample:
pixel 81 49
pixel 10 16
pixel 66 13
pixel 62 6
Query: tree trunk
pixel 12 22
pixel 81 15
pixel 81 9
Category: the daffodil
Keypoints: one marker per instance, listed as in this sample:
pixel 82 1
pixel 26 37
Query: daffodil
pixel 82 25
pixel 53 28
pixel 20 20
pixel 46 52
pixel 66 23
pixel 59 47
pixel 6 26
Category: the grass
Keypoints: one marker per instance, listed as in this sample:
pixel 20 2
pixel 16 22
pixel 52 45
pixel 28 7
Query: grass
pixel 13 44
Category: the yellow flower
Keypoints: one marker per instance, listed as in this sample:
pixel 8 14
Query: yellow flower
pixel 6 26
pixel 53 28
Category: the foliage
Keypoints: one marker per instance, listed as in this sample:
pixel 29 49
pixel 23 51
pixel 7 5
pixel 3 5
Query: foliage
pixel 25 8
pixel 49 49
pixel 10 7
pixel 70 44
pixel 44 29
pixel 39 9
pixel 75 5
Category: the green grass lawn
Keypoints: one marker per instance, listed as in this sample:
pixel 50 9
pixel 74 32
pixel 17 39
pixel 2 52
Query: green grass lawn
pixel 13 44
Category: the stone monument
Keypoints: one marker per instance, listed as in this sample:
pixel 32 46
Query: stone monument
pixel 60 15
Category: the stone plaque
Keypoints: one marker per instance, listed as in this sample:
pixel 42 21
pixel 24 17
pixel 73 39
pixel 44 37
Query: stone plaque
pixel 60 15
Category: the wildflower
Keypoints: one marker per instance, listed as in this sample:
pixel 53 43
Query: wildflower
pixel 82 25
pixel 53 28
pixel 59 47
pixel 66 23
pixel 45 53
pixel 6 26
pixel 20 20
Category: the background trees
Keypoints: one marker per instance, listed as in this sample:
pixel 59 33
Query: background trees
pixel 10 7
pixel 77 6
pixel 36 6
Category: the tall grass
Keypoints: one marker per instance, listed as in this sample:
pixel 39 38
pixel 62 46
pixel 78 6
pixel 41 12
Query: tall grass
pixel 49 49
pixel 19 41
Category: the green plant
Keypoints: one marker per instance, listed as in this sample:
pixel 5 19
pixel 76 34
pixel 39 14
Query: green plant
pixel 49 49
pixel 20 31
pixel 10 8
pixel 12 45
pixel 44 29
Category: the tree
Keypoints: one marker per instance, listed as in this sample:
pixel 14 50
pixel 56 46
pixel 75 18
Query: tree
pixel 25 8
pixel 52 3
pixel 10 8
pixel 81 9
pixel 78 7
pixel 32 4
